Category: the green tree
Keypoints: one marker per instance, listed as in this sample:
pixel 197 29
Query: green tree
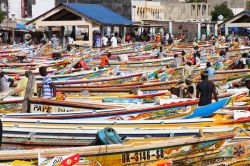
pixel 222 10
pixel 2 14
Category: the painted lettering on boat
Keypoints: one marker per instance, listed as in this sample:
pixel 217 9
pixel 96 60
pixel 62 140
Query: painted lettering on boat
pixel 35 108
pixel 215 160
pixel 142 156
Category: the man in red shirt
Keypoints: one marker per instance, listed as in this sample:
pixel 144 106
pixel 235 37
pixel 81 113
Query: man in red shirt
pixel 104 61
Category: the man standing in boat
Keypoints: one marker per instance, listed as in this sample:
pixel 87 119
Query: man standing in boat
pixel 54 41
pixel 22 84
pixel 48 88
pixel 205 90
pixel 187 71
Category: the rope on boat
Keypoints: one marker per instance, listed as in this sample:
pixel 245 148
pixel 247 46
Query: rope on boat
pixel 242 130
pixel 99 164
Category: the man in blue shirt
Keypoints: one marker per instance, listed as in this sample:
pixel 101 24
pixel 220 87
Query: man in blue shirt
pixel 49 89
pixel 210 70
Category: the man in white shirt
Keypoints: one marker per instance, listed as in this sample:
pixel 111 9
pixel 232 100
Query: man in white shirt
pixel 5 82
pixel 113 41
pixel 104 41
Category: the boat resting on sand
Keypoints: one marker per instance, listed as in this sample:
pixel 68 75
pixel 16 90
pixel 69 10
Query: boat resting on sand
pixel 51 109
pixel 131 152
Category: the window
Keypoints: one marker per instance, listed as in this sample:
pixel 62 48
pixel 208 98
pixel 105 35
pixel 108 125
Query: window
pixel 204 10
pixel 33 2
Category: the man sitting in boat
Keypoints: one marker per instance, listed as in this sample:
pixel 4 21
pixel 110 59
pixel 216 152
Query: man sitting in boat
pixel 161 54
pixel 48 89
pixel 177 61
pixel 190 87
pixel 21 56
pixel 205 90
pixel 22 84
pixel 210 70
pixel 105 60
pixel 5 82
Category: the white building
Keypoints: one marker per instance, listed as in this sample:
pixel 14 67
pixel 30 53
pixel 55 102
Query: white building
pixel 21 11
pixel 42 6
pixel 146 10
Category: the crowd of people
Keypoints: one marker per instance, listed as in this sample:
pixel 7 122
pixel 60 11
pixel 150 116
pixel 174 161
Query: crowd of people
pixel 48 89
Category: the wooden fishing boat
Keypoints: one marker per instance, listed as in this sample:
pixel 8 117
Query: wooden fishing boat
pixel 14 105
pixel 50 109
pixel 233 153
pixel 154 85
pixel 138 62
pixel 145 151
pixel 81 81
pixel 42 136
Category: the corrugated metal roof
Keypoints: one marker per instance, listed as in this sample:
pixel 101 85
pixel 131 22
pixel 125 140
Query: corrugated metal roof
pixel 243 12
pixel 99 13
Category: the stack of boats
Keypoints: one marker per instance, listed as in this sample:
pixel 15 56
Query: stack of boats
pixel 132 99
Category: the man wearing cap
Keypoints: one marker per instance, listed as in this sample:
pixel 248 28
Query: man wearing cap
pixel 5 82
pixel 205 90
pixel 113 41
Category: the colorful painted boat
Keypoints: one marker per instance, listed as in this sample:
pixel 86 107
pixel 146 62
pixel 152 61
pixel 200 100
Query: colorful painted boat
pixel 145 151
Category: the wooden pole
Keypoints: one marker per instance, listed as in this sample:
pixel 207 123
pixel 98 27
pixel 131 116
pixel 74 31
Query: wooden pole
pixel 28 92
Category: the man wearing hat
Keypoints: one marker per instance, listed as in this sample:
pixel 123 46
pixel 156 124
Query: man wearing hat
pixel 205 90
pixel 5 82
pixel 113 41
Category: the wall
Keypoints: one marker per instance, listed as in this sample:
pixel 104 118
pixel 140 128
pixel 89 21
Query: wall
pixel 42 6
pixel 185 11
pixel 146 10
pixel 123 7
pixel 230 3
pixel 15 9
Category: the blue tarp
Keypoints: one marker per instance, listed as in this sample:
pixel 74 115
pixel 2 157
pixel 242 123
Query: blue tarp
pixel 20 26
pixel 23 26
pixel 99 13
pixel 208 110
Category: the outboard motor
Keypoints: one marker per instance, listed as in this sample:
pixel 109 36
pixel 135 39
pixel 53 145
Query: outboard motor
pixel 107 136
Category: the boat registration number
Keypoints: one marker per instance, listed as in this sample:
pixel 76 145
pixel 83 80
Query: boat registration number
pixel 142 156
